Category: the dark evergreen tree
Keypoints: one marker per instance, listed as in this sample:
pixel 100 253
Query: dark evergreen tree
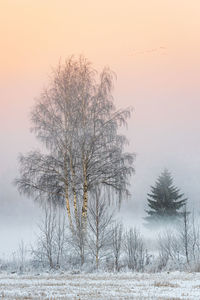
pixel 164 201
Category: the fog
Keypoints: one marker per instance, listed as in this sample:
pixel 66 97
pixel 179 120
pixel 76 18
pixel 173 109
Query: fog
pixel 161 86
pixel 168 140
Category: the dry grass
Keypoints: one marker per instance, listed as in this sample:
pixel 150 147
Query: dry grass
pixel 128 286
pixel 165 284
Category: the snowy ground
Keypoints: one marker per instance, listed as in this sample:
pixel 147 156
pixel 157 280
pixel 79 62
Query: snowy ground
pixel 101 286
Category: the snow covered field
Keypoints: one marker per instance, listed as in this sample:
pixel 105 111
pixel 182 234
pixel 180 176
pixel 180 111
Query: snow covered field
pixel 101 286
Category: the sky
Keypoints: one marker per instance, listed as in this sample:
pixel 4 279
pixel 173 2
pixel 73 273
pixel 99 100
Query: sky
pixel 153 47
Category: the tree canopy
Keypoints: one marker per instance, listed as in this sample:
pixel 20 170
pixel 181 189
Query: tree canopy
pixel 76 121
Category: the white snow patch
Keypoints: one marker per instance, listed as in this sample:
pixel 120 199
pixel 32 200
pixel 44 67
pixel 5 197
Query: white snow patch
pixel 176 285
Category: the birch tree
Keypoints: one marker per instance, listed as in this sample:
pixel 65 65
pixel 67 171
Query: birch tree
pixel 78 125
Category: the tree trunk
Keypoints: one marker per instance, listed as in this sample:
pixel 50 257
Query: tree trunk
pixel 85 196
pixel 97 229
pixel 74 191
pixel 68 209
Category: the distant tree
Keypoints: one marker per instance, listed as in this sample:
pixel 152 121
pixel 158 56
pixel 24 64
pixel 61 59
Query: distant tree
pixel 164 201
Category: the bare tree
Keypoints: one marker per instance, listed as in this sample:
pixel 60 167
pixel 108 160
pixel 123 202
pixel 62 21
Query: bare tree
pixel 181 245
pixel 185 233
pixel 78 241
pixel 100 219
pixel 117 238
pixel 195 236
pixel 169 248
pixel 47 231
pixel 76 120
pixel 134 250
pixel 22 253
pixel 60 236
pixel 51 238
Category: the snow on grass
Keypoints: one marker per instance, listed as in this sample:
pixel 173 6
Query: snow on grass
pixel 174 285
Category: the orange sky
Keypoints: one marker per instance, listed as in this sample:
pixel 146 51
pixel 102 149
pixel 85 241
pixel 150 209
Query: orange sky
pixel 35 33
pixel 152 45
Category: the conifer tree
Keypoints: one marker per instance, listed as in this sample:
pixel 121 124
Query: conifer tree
pixel 165 200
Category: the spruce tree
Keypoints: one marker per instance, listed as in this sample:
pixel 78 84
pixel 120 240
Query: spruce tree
pixel 164 201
